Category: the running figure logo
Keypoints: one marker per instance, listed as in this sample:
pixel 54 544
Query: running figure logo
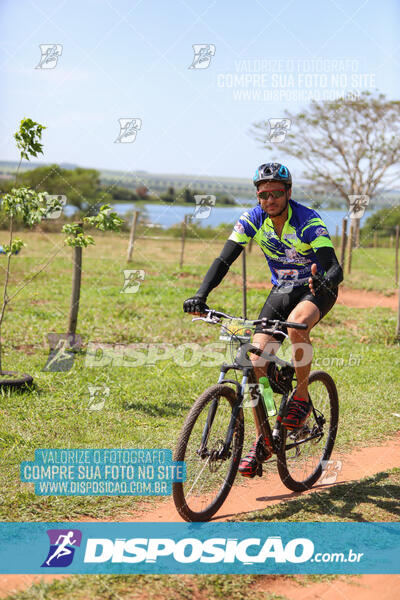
pixel 128 129
pixel 62 547
pixel 357 205
pixel 50 55
pixel 63 348
pixel 278 129
pixel 202 55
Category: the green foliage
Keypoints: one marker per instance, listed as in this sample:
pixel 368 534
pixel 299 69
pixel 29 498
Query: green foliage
pixel 80 240
pixel 81 186
pixel 28 137
pixel 76 237
pixel 14 247
pixel 120 194
pixel 23 202
pixel 105 220
pixel 384 219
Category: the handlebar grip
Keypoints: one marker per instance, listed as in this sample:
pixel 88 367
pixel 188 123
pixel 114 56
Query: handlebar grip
pixel 296 325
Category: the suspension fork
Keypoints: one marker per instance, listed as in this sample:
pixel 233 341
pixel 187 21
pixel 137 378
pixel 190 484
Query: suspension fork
pixel 207 426
pixel 213 409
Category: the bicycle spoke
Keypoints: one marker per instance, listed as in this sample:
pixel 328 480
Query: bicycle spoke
pixel 301 465
pixel 209 475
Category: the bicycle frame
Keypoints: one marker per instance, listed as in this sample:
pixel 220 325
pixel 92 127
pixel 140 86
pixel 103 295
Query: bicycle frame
pixel 262 421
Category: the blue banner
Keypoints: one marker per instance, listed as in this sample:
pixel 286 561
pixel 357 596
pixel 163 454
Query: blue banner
pixel 348 548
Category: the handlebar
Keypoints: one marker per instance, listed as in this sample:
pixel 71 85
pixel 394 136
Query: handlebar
pixel 290 324
pixel 215 316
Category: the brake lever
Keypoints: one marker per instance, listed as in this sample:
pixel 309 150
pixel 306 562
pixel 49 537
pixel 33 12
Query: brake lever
pixel 272 331
pixel 207 319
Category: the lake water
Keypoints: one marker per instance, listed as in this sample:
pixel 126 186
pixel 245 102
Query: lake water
pixel 168 215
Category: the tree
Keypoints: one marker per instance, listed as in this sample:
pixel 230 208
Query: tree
pixel 384 219
pixel 351 146
pixel 143 192
pixel 27 205
pixel 121 194
pixel 105 220
pixel 81 186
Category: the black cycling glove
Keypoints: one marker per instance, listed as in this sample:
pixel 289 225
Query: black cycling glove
pixel 196 304
pixel 321 284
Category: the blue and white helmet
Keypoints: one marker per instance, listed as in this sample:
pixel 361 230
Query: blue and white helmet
pixel 272 172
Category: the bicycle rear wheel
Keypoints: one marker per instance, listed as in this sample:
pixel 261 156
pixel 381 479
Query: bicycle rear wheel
pixel 300 465
pixel 209 477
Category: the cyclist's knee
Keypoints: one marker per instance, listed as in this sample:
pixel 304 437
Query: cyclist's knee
pixel 266 344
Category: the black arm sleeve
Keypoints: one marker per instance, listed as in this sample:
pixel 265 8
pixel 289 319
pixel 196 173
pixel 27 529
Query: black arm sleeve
pixel 219 268
pixel 327 258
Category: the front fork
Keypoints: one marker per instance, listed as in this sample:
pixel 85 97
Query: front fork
pixel 260 416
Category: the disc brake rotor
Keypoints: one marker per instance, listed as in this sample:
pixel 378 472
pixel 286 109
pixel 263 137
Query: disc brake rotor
pixel 215 461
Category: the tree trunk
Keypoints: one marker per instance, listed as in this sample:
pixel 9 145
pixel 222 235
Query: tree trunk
pixel 343 243
pixel 76 290
pixel 132 235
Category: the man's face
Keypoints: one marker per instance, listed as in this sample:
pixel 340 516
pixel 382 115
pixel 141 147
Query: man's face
pixel 273 206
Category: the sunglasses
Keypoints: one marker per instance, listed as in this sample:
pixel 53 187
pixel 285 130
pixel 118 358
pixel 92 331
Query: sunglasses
pixel 273 193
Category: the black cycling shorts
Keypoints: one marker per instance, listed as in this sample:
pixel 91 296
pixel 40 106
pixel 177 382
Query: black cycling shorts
pixel 280 303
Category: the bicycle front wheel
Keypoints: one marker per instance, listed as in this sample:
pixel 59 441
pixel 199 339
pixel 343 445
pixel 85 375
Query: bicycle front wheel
pixel 210 472
pixel 303 453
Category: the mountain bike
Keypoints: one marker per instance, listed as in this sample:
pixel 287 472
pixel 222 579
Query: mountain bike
pixel 212 436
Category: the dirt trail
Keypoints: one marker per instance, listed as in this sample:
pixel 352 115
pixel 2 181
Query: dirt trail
pixel 347 296
pixel 364 587
pixel 364 299
pixel 259 493
pixel 251 495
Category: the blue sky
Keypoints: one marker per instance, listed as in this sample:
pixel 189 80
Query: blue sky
pixel 127 58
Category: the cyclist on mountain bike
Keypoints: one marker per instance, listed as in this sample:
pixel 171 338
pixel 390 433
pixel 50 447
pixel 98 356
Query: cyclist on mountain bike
pixel 305 277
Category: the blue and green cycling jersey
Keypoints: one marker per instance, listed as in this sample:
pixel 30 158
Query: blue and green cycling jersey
pixel 290 256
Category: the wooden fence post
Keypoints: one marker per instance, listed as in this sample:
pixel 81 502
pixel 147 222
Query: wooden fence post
pixel 398 318
pixel 350 241
pixel 397 254
pixel 343 242
pixel 356 233
pixel 132 235
pixel 184 227
pixel 244 280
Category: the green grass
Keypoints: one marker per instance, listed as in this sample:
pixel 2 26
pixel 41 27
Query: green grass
pixel 131 587
pixel 373 269
pixel 375 498
pixel 167 587
pixel 147 405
